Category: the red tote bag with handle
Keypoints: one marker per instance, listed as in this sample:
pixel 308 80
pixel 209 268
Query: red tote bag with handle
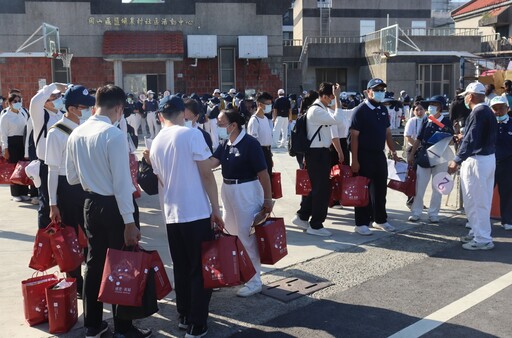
pixel 246 267
pixel 271 239
pixel 302 182
pixel 34 298
pixel 354 191
pixel 219 260
pixel 62 305
pixel 19 176
pixel 277 190
pixel 65 248
pixel 42 255
pixel 6 170
pixel 162 284
pixel 408 187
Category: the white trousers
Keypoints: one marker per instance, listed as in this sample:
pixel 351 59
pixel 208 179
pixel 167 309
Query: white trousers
pixel 154 127
pixel 241 202
pixel 477 182
pixel 212 129
pixel 423 176
pixel 392 118
pixel 280 128
pixel 134 121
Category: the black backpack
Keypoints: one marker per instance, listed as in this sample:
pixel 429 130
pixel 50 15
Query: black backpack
pixel 298 142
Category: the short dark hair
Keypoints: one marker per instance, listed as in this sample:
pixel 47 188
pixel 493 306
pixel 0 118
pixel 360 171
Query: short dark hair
pixel 307 101
pixel 15 91
pixel 110 96
pixel 13 96
pixel 263 96
pixel 234 116
pixel 325 89
pixel 193 106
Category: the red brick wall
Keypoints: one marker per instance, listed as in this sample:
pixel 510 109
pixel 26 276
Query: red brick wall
pixel 91 72
pixel 23 74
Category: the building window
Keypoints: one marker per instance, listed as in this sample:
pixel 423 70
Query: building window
pixel 419 28
pixel 435 80
pixel 332 75
pixel 59 72
pixel 366 27
pixel 227 68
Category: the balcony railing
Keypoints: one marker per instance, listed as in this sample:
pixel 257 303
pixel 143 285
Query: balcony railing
pixel 496 43
pixel 429 32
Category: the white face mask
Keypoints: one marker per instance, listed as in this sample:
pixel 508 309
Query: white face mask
pixel 268 108
pixel 333 103
pixel 188 124
pixel 432 110
pixel 86 113
pixel 16 105
pixel 58 103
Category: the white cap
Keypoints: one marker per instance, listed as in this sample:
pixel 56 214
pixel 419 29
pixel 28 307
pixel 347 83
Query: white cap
pixel 232 91
pixel 32 171
pixel 150 92
pixel 280 92
pixel 56 91
pixel 216 91
pixel 499 100
pixel 474 87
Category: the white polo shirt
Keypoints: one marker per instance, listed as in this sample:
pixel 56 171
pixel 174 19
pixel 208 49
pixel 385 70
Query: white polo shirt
pixel 259 128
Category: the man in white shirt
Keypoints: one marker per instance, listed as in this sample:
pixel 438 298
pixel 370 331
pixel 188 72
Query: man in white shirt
pixel 67 201
pixel 318 162
pixel 180 158
pixel 97 158
pixel 259 128
pixel 45 111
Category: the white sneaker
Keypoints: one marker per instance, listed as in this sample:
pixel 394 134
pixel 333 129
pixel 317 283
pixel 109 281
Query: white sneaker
pixel 304 225
pixel 25 198
pixel 17 199
pixel 478 246
pixel 384 226
pixel 468 226
pixel 433 219
pixel 363 230
pixel 414 218
pixel 34 200
pixel 319 232
pixel 507 226
pixel 247 291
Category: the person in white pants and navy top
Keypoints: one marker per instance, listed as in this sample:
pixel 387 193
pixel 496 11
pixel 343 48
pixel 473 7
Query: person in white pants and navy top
pixel 151 107
pixel 246 187
pixel 477 161
pixel 281 116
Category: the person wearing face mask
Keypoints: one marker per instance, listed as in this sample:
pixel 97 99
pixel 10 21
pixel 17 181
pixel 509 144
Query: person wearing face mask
pixel 369 133
pixel 322 123
pixel 246 187
pixel 132 118
pixel 67 201
pixel 151 107
pixel 212 112
pixel 425 171
pixel 45 110
pixel 477 161
pixel 192 113
pixel 281 117
pixel 12 125
pixel 97 159
pixel 502 177
pixel 259 128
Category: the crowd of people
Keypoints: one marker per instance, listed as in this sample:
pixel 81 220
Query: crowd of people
pixel 82 138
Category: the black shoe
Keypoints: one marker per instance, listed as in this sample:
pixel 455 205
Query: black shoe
pixel 182 323
pixel 134 332
pixel 95 332
pixel 196 331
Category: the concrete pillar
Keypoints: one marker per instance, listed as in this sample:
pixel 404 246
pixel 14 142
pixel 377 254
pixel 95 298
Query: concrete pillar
pixel 169 75
pixel 118 73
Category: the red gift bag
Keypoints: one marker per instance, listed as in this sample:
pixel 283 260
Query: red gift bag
pixel 134 169
pixel 34 298
pixel 408 187
pixel 302 183
pixel 354 191
pixel 62 305
pixel 82 238
pixel 162 283
pixel 124 277
pixel 277 190
pixel 65 247
pixel 246 267
pixel 42 255
pixel 219 259
pixel 6 170
pixel 271 239
pixel 19 176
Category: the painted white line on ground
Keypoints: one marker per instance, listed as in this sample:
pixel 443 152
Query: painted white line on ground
pixel 443 315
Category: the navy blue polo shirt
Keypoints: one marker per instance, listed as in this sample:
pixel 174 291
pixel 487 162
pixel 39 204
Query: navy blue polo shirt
pixel 151 105
pixel 429 128
pixel 372 123
pixel 243 160
pixel 480 134
pixel 504 141
pixel 283 106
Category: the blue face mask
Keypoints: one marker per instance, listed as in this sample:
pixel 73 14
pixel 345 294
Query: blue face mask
pixel 432 110
pixel 222 132
pixel 378 96
pixel 502 118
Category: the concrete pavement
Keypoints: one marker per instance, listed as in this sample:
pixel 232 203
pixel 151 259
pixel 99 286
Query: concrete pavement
pixel 229 314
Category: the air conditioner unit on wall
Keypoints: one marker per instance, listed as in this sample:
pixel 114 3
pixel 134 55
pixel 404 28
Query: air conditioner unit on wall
pixel 202 46
pixel 253 47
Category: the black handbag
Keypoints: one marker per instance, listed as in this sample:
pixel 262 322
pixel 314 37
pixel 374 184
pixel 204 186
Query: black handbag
pixel 421 157
pixel 149 302
pixel 146 178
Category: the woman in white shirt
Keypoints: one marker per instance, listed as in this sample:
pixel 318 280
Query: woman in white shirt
pixel 12 126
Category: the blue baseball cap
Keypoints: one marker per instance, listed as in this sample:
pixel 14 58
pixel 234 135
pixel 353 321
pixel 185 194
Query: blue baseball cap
pixel 171 102
pixel 374 83
pixel 78 95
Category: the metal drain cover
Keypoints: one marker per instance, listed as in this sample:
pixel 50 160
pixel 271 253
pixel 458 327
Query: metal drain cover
pixel 292 288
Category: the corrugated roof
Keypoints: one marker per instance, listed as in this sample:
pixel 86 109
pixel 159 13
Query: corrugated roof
pixel 142 43
pixel 475 5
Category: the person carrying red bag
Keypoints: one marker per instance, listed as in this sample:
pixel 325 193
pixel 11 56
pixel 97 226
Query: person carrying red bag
pixel 97 158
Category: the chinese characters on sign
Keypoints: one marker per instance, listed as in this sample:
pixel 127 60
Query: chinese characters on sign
pixel 139 21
